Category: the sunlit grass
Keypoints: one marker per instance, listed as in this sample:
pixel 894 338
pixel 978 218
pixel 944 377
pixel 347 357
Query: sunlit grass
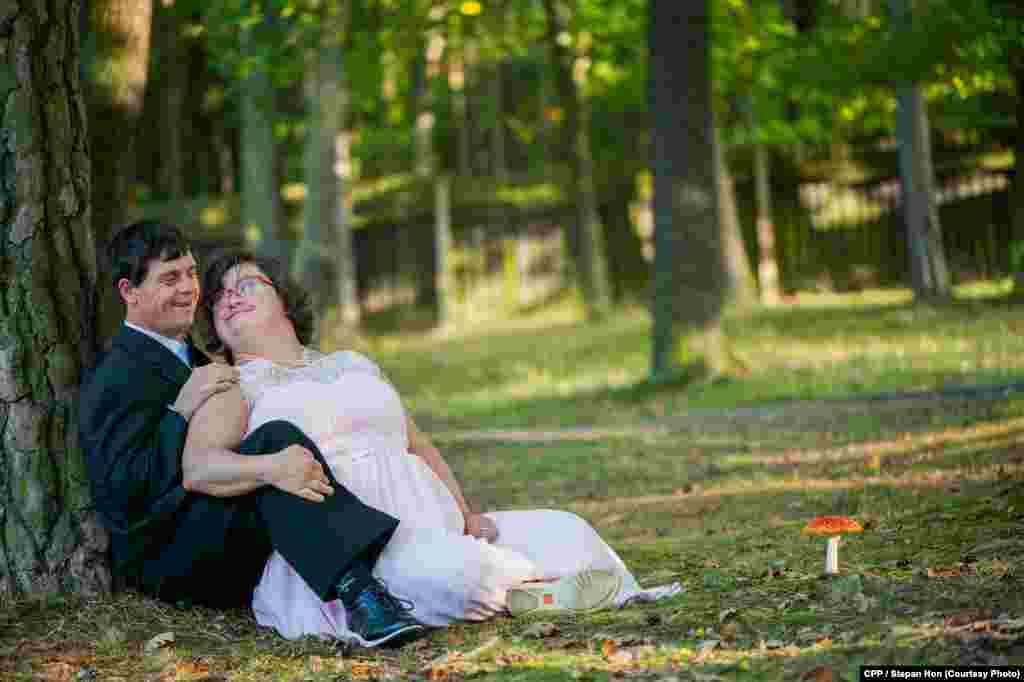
pixel 564 371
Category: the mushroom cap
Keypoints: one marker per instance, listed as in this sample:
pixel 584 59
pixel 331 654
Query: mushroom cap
pixel 831 525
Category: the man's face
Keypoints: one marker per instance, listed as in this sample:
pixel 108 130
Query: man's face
pixel 165 301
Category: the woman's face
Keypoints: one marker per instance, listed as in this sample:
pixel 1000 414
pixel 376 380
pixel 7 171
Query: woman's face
pixel 247 305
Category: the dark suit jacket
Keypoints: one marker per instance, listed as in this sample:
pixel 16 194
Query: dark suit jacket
pixel 133 444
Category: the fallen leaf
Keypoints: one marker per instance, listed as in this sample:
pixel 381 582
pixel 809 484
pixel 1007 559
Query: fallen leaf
pixel 57 671
pixel 608 647
pixel 161 640
pixel 967 616
pixel 200 668
pixel 712 563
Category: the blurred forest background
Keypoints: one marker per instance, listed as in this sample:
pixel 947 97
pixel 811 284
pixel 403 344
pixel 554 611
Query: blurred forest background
pixel 433 162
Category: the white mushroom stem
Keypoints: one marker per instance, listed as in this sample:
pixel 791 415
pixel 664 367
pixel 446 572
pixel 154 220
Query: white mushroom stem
pixel 832 556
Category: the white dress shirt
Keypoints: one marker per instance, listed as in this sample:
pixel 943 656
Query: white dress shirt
pixel 179 348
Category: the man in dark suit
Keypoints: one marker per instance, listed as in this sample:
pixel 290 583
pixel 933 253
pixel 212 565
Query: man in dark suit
pixel 181 545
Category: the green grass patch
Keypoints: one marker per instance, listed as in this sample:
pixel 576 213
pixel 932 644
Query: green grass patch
pixel 714 499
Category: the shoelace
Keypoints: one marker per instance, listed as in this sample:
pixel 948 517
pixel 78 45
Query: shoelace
pixel 402 606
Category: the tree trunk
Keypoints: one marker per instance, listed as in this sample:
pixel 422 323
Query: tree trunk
pixel 587 250
pixel 324 260
pixel 1017 196
pixel 768 262
pixel 442 249
pixel 929 272
pixel 689 281
pixel 118 40
pixel 170 71
pixel 463 141
pixel 741 276
pixel 49 540
pixel 262 208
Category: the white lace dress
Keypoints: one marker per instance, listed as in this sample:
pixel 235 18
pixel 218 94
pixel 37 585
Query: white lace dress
pixel 356 418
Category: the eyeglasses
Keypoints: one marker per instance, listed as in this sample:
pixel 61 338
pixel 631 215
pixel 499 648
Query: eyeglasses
pixel 244 288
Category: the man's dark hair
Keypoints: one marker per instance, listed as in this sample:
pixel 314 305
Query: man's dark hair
pixel 296 300
pixel 135 245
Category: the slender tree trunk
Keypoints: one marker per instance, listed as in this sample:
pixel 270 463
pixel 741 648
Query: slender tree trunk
pixel 262 208
pixel 689 280
pixel 119 41
pixel 324 260
pixel 442 249
pixel 172 63
pixel 1017 197
pixel 587 250
pixel 499 162
pixel 741 275
pixel 768 262
pixel 49 540
pixel 463 136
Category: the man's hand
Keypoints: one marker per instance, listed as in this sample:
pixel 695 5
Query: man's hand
pixel 204 382
pixel 480 526
pixel 296 471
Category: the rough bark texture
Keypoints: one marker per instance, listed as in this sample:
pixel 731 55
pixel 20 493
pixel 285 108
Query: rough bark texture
pixel 586 243
pixel 689 279
pixel 740 274
pixel 50 539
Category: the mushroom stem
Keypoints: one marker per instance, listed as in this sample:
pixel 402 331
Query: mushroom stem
pixel 832 556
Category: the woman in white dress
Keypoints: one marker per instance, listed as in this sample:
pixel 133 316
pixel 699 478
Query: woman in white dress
pixel 447 561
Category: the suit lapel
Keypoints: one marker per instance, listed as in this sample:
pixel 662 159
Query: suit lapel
pixel 153 352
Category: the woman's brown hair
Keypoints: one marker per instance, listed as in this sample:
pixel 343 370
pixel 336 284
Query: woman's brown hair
pixel 296 300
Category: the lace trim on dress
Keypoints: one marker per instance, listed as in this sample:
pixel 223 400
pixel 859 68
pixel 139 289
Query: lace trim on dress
pixel 259 375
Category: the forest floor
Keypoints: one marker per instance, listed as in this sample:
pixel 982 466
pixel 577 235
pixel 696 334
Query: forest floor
pixel 707 494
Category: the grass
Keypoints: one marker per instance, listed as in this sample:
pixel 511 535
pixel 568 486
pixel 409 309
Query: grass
pixel 539 374
pixel 712 498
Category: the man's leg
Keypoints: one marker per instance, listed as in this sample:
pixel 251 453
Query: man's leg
pixel 333 544
pixel 320 540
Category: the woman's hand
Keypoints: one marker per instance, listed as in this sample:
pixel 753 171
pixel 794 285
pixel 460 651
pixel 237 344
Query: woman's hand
pixel 480 526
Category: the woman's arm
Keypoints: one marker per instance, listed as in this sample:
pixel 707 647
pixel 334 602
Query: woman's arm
pixel 420 445
pixel 210 467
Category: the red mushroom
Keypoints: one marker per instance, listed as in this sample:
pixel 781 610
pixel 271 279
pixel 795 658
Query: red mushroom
pixel 832 527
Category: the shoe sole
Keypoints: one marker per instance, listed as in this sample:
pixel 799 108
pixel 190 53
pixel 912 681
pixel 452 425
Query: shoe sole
pixel 584 591
pixel 396 639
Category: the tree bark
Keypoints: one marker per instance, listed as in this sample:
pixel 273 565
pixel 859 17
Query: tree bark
pixel 119 40
pixel 50 540
pixel 689 281
pixel 587 250
pixel 740 274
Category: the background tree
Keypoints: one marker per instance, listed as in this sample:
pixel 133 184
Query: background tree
pixel 117 60
pixel 571 62
pixel 689 282
pixel 324 259
pixel 49 540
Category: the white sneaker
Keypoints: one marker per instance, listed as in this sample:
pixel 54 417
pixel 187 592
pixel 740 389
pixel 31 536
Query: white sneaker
pixel 584 591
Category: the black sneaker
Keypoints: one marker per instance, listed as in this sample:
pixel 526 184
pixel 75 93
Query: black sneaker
pixel 378 618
